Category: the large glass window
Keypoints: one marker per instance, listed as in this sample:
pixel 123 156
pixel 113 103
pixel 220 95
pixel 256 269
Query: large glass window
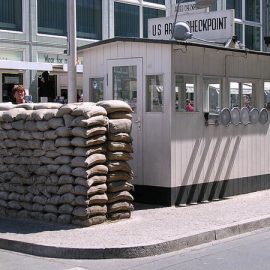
pixel 236 5
pixel 239 31
pixel 149 13
pixel 154 93
pixel 211 95
pixel 52 17
pixel 252 37
pixel 89 19
pixel 252 8
pixel 185 93
pixel 234 95
pixel 126 20
pixel 125 84
pixel 96 89
pixel 11 15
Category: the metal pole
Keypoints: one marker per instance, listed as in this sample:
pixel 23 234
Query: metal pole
pixel 72 51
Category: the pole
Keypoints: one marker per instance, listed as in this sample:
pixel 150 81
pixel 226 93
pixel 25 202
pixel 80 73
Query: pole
pixel 72 51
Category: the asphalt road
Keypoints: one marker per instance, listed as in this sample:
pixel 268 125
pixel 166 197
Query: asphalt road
pixel 243 252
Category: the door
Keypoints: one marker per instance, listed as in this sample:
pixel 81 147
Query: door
pixel 124 82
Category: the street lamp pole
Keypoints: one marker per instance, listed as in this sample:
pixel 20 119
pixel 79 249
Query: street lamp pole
pixel 72 51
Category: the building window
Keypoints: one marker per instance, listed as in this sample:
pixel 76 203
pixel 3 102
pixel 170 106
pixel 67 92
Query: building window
pixel 154 93
pixel 149 13
pixel 253 10
pixel 212 95
pixel 96 89
pixel 236 5
pixel 126 20
pixel 161 2
pixel 239 31
pixel 11 15
pixel 185 93
pixel 52 17
pixel 252 37
pixel 89 19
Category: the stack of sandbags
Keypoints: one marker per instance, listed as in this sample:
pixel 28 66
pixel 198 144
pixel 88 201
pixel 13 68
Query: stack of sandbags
pixel 119 149
pixel 88 128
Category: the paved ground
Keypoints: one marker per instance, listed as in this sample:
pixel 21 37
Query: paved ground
pixel 151 230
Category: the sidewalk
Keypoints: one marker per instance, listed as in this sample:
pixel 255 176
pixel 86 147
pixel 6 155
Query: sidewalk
pixel 151 230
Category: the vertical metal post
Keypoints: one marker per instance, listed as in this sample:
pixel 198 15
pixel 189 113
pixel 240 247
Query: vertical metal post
pixel 72 51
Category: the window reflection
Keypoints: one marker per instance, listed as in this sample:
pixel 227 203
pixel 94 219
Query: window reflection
pixel 154 93
pixel 211 95
pixel 96 88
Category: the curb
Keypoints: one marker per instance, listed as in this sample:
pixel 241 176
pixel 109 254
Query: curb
pixel 134 252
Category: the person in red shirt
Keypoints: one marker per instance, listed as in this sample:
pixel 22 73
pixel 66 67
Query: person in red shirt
pixel 189 107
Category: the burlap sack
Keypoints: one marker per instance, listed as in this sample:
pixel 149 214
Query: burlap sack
pixel 79 172
pixel 94 180
pixel 52 154
pixel 43 170
pixel 120 206
pixel 38 114
pixel 3 134
pixel 3 203
pixel 50 217
pixel 119 156
pixel 28 197
pixel 63 131
pixel 54 200
pixel 38 135
pixel 27 205
pixel 50 135
pixel 6 106
pixel 42 125
pixel 78 162
pixel 97 189
pixel 90 221
pixel 36 215
pixel 14 205
pixel 46 160
pixel 81 201
pixel 19 125
pixel 115 106
pixel 119 186
pixel 120 146
pixel 24 115
pixel 120 126
pixel 52 180
pixel 65 209
pixel 37 207
pixel 66 109
pixel 26 135
pixel 120 115
pixel 63 142
pixel 98 199
pixel 23 214
pixel 67 151
pixel 4 195
pixel 77 121
pixel 120 137
pixel 55 123
pixel 38 152
pixel 13 134
pixel 97 170
pixel 53 168
pixel 47 105
pixel 119 166
pixel 64 219
pixel 99 120
pixel 95 159
pixel 6 126
pixel 67 188
pixel 119 215
pixel 10 115
pixel 30 126
pixel 40 199
pixel 86 133
pixel 120 196
pixel 66 179
pixel 50 208
pixel 80 190
pixel 89 111
pixel 3 168
pixel 13 196
pixel 48 145
pixel 83 152
pixel 68 119
pixel 119 176
pixel 67 198
pixel 63 160
pixel 64 169
pixel 50 113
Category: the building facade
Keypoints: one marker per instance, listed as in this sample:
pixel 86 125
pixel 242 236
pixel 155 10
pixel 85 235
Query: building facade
pixel 34 31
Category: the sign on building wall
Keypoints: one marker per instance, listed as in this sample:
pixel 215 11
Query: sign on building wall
pixel 216 26
pixel 188 7
pixel 55 58
pixel 11 55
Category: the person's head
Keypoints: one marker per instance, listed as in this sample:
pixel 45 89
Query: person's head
pixel 246 101
pixel 18 92
pixel 187 101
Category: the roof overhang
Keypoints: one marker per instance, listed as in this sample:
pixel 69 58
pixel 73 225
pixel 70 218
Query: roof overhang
pixel 23 65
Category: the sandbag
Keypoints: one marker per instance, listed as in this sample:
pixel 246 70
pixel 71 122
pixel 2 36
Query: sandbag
pixel 115 106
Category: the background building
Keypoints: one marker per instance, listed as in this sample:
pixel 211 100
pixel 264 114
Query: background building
pixel 35 31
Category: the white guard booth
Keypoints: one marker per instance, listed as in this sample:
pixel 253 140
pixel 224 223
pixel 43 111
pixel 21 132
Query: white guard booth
pixel 200 123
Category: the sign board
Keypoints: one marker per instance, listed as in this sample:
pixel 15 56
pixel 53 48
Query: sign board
pixel 11 55
pixel 55 58
pixel 213 26
pixel 188 7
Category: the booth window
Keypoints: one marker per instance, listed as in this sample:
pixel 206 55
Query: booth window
pixel 11 15
pixel 267 95
pixel 211 95
pixel 126 20
pixel 237 6
pixel 241 94
pixel 154 93
pixel 185 93
pixel 96 89
pixel 125 84
pixel 252 37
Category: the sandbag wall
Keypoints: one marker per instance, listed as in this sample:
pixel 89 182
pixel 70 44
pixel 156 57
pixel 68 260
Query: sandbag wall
pixel 54 163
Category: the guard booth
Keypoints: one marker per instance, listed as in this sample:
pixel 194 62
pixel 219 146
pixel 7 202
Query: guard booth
pixel 218 145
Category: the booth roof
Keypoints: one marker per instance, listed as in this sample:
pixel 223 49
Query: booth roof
pixel 170 42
